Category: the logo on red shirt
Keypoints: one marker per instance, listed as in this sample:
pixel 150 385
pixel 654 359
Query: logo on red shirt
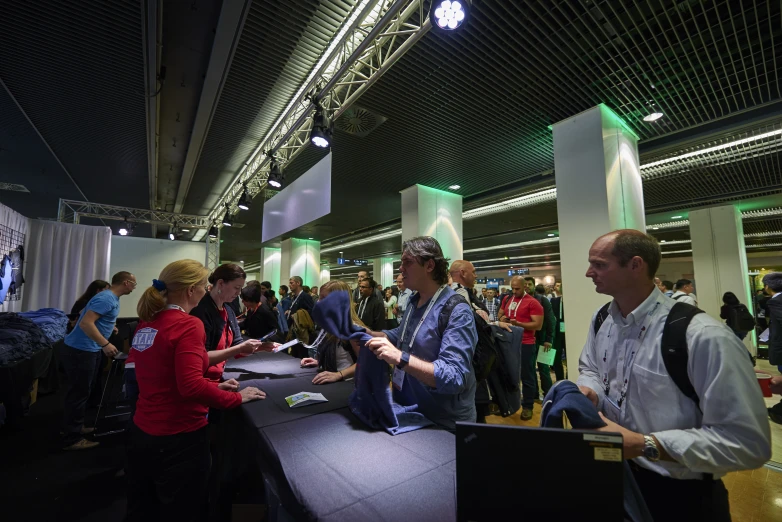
pixel 144 339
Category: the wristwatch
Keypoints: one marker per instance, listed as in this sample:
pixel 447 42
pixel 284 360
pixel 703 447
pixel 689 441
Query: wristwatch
pixel 404 361
pixel 651 451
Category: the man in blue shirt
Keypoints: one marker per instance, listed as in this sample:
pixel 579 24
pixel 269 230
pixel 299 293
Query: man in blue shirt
pixel 80 356
pixel 435 366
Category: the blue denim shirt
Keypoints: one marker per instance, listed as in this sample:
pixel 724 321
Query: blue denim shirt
pixel 453 397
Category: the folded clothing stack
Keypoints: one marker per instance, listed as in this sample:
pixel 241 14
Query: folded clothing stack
pixel 20 338
pixel 52 321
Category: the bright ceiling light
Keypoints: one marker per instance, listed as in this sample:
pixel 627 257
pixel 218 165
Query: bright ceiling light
pixel 126 229
pixel 447 15
pixel 676 217
pixel 276 178
pixel 185 230
pixel 244 201
pixel 551 235
pixel 322 129
pixel 123 231
pixel 171 236
pixel 454 187
pixel 653 116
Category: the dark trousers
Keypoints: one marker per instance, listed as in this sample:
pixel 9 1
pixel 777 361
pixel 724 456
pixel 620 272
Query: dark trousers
pixel 131 390
pixel 167 475
pixel 672 500
pixel 529 379
pixel 391 324
pixel 79 367
pixel 559 345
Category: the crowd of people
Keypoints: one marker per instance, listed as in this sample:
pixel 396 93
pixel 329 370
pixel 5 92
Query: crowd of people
pixel 427 328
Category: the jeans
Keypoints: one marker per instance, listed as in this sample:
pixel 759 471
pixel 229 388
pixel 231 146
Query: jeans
pixel 167 475
pixel 79 367
pixel 529 379
pixel 559 344
pixel 545 376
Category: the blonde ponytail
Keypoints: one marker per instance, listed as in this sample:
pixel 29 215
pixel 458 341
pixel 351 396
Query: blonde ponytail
pixel 151 302
pixel 175 277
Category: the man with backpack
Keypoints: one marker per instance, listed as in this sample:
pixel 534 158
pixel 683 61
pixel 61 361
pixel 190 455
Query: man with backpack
pixel 432 353
pixel 673 381
pixel 737 316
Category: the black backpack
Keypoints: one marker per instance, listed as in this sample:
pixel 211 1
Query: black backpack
pixel 485 351
pixel 673 345
pixel 740 319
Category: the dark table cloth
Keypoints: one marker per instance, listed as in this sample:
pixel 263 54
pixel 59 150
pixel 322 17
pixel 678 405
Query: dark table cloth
pixel 327 465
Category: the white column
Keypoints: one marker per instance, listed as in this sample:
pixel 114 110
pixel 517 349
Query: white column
pixel 598 190
pixel 300 257
pixel 383 270
pixel 270 267
pixel 431 212
pixel 325 273
pixel 719 258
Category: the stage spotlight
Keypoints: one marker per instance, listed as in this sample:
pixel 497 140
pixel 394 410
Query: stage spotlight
pixel 276 177
pixel 126 229
pixel 244 201
pixel 447 15
pixel 227 221
pixel 322 129
pixel 173 232
pixel 213 232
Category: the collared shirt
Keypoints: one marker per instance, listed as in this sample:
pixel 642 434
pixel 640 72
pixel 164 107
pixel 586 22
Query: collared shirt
pixel 402 300
pixel 684 298
pixel 453 397
pixel 731 433
pixel 668 293
pixel 492 306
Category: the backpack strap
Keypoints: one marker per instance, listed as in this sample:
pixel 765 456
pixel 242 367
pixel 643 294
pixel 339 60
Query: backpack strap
pixel 678 297
pixel 445 313
pixel 600 318
pixel 674 347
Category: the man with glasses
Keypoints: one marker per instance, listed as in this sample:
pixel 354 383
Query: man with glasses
pixel 80 356
pixel 362 275
pixel 403 298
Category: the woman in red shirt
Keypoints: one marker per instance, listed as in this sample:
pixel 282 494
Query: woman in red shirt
pixel 168 451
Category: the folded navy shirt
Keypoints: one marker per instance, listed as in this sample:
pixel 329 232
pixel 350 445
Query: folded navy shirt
pixel 371 401
pixel 565 397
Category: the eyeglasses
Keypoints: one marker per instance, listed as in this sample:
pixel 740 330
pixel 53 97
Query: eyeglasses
pixel 131 282
pixel 363 287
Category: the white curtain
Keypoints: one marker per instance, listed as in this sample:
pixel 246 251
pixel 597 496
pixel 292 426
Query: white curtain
pixel 15 221
pixel 62 260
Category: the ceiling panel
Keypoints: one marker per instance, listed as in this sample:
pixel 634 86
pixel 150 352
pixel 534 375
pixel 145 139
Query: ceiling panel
pixel 77 70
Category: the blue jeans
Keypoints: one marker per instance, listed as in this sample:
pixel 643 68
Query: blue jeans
pixel 529 377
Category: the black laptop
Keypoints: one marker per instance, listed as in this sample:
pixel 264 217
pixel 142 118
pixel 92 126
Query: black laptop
pixel 516 473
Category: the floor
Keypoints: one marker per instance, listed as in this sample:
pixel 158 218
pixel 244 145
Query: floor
pixel 755 495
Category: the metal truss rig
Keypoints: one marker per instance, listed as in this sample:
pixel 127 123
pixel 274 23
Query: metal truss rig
pixel 71 211
pixel 377 35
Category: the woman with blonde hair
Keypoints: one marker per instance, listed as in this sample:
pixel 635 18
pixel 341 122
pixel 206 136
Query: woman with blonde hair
pixel 168 449
pixel 336 358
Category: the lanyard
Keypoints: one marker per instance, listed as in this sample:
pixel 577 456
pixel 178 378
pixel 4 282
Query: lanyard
pixel 515 309
pixel 317 340
pixel 175 307
pixel 627 366
pixel 297 298
pixel 423 317
pixel 362 308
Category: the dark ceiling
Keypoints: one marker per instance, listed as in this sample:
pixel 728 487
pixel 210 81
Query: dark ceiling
pixel 471 108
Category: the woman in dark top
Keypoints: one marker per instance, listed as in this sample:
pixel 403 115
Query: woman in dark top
pixel 336 358
pixel 96 286
pixel 259 319
pixel 223 336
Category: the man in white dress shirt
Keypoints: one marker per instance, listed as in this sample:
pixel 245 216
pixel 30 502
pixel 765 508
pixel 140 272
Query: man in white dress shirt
pixel 679 450
pixel 684 292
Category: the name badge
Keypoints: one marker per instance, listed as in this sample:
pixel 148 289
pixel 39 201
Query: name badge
pixel 611 409
pixel 398 379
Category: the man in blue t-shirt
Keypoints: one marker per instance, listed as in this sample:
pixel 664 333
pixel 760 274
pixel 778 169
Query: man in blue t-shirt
pixel 80 356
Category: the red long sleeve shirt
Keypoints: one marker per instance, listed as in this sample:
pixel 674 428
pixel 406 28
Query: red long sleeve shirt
pixel 171 363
